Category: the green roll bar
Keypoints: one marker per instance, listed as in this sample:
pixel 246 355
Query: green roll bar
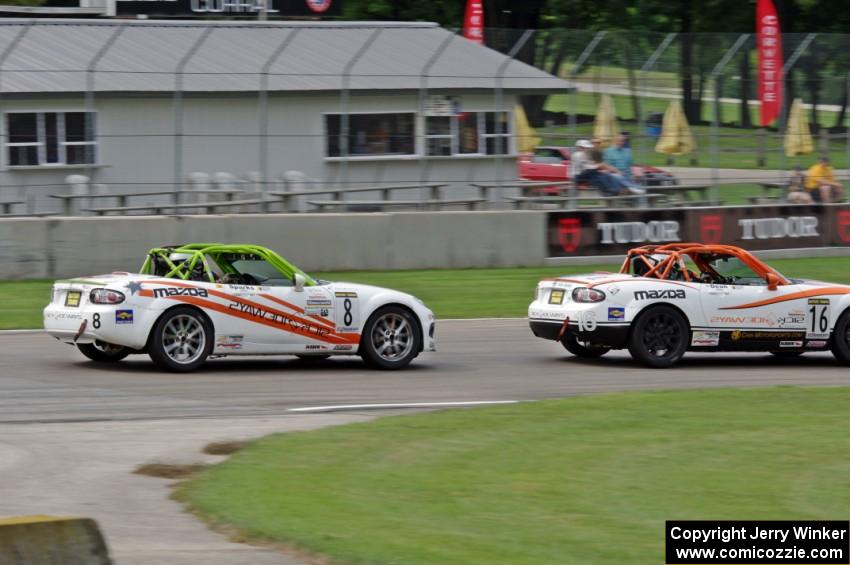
pixel 197 255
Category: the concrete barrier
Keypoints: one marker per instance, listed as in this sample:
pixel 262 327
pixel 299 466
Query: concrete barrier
pixel 47 540
pixel 65 247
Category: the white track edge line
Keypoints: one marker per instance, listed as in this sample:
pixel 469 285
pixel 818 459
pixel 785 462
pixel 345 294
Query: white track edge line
pixel 331 408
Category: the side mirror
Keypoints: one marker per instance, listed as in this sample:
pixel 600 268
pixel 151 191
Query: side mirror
pixel 772 281
pixel 299 282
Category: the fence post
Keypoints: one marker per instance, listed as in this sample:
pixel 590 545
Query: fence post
pixel 178 113
pixel 847 125
pixel 422 150
pixel 499 146
pixel 344 99
pixel 3 56
pixel 648 66
pixel 573 76
pixel 716 77
pixel 783 115
pixel 89 103
pixel 264 106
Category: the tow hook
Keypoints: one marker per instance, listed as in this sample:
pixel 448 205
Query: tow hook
pixel 81 330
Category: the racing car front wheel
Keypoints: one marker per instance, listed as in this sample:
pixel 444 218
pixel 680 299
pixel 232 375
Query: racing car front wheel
pixel 659 337
pixel 181 340
pixel 840 344
pixel 391 338
pixel 585 350
pixel 103 352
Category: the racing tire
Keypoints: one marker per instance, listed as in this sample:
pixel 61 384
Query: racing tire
pixel 583 350
pixel 840 342
pixel 181 340
pixel 659 337
pixel 102 352
pixel 787 354
pixel 391 338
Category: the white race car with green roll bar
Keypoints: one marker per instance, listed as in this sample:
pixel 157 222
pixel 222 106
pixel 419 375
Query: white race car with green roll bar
pixel 193 301
pixel 680 297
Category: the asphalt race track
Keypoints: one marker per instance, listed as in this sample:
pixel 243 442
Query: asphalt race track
pixel 42 380
pixel 73 430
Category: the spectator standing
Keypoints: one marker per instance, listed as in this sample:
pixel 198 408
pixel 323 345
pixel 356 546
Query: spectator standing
pixel 821 184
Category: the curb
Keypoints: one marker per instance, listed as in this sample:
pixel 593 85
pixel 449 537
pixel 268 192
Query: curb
pixel 47 540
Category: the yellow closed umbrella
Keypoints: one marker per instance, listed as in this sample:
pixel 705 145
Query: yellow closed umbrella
pixel 527 139
pixel 798 137
pixel 605 126
pixel 675 138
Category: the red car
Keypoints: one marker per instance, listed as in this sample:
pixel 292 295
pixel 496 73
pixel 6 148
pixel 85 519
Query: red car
pixel 551 163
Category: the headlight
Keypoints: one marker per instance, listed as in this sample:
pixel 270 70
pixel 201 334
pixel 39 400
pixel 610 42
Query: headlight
pixel 583 294
pixel 105 296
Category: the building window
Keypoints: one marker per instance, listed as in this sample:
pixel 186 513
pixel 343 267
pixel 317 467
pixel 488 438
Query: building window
pixel 496 133
pixel 372 134
pixel 50 138
pixel 483 133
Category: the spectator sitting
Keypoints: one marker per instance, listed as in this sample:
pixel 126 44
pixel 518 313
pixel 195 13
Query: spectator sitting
pixel 620 157
pixel 796 190
pixel 592 171
pixel 821 184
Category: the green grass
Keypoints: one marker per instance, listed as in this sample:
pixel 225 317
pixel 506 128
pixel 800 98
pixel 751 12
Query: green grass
pixel 451 293
pixel 581 480
pixel 21 303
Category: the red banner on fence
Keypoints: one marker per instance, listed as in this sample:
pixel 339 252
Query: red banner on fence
pixel 473 23
pixel 769 40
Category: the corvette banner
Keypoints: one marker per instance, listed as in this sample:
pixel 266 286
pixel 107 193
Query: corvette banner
pixel 769 45
pixel 473 22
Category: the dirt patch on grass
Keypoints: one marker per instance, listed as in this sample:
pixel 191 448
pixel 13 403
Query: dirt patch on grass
pixel 170 471
pixel 224 447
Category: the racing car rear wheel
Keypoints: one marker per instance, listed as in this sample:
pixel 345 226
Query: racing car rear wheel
pixel 659 337
pixel 583 349
pixel 181 340
pixel 103 352
pixel 840 343
pixel 391 338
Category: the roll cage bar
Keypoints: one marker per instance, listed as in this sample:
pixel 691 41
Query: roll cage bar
pixel 673 255
pixel 159 260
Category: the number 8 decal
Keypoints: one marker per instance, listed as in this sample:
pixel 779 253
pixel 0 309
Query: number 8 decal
pixel 348 318
pixel 347 311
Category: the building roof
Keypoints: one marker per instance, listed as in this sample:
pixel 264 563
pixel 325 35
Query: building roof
pixel 52 56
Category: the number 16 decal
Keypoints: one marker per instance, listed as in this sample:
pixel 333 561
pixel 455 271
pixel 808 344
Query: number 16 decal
pixel 817 319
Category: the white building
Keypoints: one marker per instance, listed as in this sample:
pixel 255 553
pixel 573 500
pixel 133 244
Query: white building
pixel 142 105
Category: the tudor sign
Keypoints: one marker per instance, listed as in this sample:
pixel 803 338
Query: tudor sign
pixel 613 232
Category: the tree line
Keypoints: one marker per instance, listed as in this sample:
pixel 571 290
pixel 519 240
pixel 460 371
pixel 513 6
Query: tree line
pixel 820 75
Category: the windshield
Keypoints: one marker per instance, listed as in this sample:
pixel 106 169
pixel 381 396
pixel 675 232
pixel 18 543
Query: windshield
pixel 734 271
pixel 261 271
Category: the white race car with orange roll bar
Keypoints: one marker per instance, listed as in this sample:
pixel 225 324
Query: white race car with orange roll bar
pixel 669 299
